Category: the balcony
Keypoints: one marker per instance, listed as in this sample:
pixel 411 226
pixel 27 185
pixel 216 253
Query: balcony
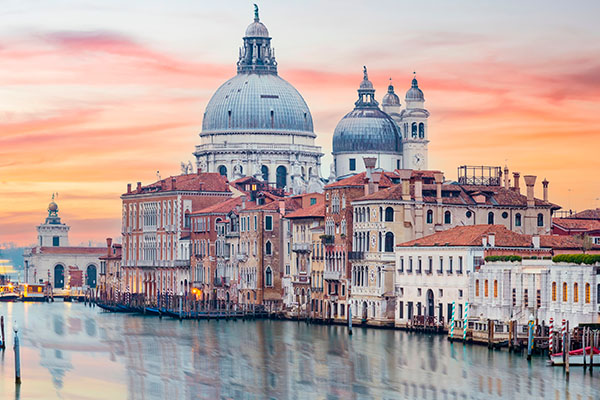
pixel 302 279
pixel 182 263
pixel 332 275
pixel 356 255
pixel 302 247
pixel 241 257
pixel 221 281
pixel 328 239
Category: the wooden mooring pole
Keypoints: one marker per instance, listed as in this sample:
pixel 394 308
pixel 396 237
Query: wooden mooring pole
pixel 350 320
pixel 17 349
pixel 567 349
pixel 584 333
pixel 2 328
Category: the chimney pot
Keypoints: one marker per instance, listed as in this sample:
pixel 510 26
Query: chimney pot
pixel 129 188
pixel 506 180
pixel 139 186
pixel 516 177
pixel 545 185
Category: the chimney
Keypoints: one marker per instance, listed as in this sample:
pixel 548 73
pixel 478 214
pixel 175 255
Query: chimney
pixel 282 207
pixel 129 188
pixel 516 177
pixel 173 185
pixel 418 189
pixel 439 178
pixel 108 244
pixel 405 179
pixel 139 187
pixel 535 241
pixel 370 163
pixel 506 180
pixel 530 182
pixel 492 239
pixel 243 202
pixel 545 184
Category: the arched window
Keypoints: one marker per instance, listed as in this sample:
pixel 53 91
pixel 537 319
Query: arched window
pixel 447 217
pixel 553 291
pixel 495 288
pixel 264 170
pixel 421 130
pixel 540 219
pixel 268 277
pixel 380 214
pixel 430 216
pixel 476 287
pixel 91 276
pixel 59 276
pixel 565 294
pixel 587 293
pixel 389 242
pixel 491 218
pixel 485 288
pixel 281 180
pixel 223 170
pixel 389 214
pixel 575 292
pixel 517 219
pixel 414 129
pixel 268 248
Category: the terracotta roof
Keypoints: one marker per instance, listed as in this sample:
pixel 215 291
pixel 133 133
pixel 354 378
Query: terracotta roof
pixel 70 250
pixel 200 182
pixel 581 225
pixel 587 214
pixel 291 204
pixel 359 180
pixel 316 210
pixel 472 235
pixel 220 208
pixel 456 194
pixel 564 242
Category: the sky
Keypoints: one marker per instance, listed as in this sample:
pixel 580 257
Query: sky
pixel 98 94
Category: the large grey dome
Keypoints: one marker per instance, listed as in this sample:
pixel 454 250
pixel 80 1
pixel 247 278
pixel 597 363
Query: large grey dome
pixel 366 128
pixel 251 102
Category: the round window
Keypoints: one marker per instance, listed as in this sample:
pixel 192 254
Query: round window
pixel 504 215
pixel 469 214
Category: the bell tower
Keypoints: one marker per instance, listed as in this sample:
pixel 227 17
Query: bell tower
pixel 414 129
pixel 53 233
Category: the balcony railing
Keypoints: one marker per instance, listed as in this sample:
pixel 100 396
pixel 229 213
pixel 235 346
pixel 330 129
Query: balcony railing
pixel 356 255
pixel 332 275
pixel 301 279
pixel 302 247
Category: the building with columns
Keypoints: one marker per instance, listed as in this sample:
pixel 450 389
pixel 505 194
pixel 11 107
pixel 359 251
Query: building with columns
pixel 53 261
pixel 397 138
pixel 257 124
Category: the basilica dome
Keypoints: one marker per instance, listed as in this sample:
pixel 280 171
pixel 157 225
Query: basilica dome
pixel 251 102
pixel 257 100
pixel 366 128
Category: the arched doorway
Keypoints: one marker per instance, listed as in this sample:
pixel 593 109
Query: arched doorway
pixel 281 180
pixel 364 311
pixel 59 276
pixel 91 276
pixel 264 170
pixel 430 306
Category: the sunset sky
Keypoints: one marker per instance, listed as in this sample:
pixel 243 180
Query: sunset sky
pixel 94 95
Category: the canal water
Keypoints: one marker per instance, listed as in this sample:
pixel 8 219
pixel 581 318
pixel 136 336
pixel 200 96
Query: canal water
pixel 71 351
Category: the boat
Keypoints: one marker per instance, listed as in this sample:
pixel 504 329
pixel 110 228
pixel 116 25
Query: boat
pixel 107 307
pixel 8 293
pixel 576 357
pixel 34 292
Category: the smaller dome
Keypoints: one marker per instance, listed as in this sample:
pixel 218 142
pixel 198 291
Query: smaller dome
pixel 414 93
pixel 390 98
pixel 257 29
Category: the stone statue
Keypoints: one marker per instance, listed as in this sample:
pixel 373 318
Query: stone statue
pixel 190 167
pixel 256 13
pixel 365 76
pixel 331 172
pixel 183 168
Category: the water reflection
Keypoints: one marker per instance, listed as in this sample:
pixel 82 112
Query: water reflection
pixel 71 350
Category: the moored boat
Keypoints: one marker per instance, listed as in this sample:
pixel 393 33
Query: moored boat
pixel 8 293
pixel 576 357
pixel 33 292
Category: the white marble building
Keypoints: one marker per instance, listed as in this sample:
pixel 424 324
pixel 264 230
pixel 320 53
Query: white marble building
pixel 53 260
pixel 257 124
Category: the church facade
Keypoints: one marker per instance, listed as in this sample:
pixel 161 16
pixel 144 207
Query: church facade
pixel 257 124
pixel 395 137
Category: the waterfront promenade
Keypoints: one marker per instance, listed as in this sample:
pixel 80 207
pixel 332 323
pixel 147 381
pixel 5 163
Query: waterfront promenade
pixel 72 351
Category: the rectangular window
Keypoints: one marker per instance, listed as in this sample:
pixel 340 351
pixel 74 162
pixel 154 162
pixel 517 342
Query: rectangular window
pixel 450 261
pixel 398 164
pixel 419 266
pixel 401 310
pixel 55 241
pixel 353 164
pixel 313 201
pixel 255 222
pixel 410 265
pixel 268 223
pixel 460 265
pixel 430 269
pixel 401 265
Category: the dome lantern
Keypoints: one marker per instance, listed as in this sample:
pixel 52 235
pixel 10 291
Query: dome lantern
pixel 256 55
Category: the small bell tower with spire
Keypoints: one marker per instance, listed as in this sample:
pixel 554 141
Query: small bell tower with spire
pixel 53 233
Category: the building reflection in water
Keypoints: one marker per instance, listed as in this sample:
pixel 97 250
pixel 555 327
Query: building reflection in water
pixel 168 359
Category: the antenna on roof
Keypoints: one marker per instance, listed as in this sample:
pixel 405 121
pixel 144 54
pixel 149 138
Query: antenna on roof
pixel 158 175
